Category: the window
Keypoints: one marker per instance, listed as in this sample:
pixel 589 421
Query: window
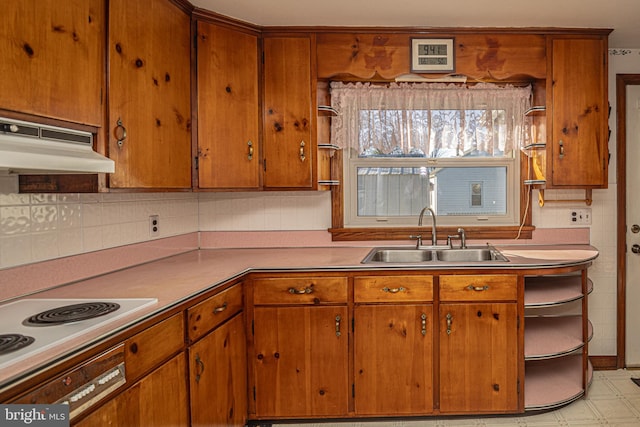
pixel 408 146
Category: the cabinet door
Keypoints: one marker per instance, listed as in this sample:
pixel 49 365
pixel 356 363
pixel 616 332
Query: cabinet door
pixel 579 132
pixel 159 399
pixel 289 147
pixel 300 361
pixel 478 358
pixel 393 359
pixel 228 144
pixel 149 94
pixel 218 378
pixel 53 58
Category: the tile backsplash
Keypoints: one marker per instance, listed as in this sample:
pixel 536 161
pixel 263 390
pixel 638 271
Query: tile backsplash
pixel 38 227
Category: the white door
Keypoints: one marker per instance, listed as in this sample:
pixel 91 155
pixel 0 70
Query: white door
pixel 633 221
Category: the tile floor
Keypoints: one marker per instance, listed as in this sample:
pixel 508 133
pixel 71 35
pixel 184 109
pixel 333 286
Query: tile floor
pixel 613 400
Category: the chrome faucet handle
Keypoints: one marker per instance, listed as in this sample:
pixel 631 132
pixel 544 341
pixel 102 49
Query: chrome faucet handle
pixel 417 238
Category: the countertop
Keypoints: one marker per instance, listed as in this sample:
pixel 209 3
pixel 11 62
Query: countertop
pixel 178 278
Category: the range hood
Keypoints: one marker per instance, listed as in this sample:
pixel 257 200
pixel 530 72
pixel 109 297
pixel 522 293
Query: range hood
pixel 33 148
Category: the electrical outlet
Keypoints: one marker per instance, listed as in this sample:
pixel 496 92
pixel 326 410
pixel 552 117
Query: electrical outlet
pixel 154 225
pixel 580 216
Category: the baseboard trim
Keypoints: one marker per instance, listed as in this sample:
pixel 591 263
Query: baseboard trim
pixel 604 363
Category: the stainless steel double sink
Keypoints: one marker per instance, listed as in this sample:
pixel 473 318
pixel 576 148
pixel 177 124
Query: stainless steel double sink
pixel 427 254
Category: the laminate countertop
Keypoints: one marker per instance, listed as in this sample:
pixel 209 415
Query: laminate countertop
pixel 176 279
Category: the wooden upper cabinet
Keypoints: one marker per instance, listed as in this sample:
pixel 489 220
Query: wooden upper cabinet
pixel 577 149
pixel 53 59
pixel 289 113
pixel 228 138
pixel 486 56
pixel 149 95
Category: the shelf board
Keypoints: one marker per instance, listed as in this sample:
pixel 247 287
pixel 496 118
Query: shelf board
pixel 536 110
pixel 327 110
pixel 554 290
pixel 534 146
pixel 552 337
pixel 553 383
pixel 535 182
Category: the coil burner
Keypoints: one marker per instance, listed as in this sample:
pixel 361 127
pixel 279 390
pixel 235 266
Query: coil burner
pixel 13 342
pixel 71 313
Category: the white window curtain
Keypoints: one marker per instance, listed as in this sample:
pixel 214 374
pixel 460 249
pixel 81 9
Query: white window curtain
pixel 429 119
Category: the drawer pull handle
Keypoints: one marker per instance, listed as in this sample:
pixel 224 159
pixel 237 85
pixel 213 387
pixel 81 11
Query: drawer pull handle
pixel 478 288
pixel 423 324
pixel 220 309
pixel 561 145
pixel 200 368
pixel 393 290
pixel 306 290
pixel 449 323
pixel 338 320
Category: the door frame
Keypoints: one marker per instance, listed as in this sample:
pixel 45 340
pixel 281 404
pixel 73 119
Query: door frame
pixel 622 81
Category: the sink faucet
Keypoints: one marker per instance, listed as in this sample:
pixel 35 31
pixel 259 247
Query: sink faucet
pixel 434 239
pixel 461 235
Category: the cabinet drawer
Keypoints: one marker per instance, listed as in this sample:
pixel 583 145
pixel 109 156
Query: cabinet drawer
pixel 479 288
pixel 211 312
pixel 149 348
pixel 393 288
pixel 300 290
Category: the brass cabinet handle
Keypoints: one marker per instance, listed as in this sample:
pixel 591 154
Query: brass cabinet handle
pixel 302 156
pixel 250 155
pixel 199 368
pixel 338 320
pixel 561 144
pixel 306 290
pixel 449 323
pixel 122 131
pixel 423 324
pixel 393 290
pixel 478 288
pixel 220 309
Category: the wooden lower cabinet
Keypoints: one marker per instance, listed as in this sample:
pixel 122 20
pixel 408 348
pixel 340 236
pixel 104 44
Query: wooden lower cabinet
pixel 218 377
pixel 158 399
pixel 300 361
pixel 478 358
pixel 393 359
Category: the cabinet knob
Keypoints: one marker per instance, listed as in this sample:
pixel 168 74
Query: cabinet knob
pixel 635 249
pixel 635 228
